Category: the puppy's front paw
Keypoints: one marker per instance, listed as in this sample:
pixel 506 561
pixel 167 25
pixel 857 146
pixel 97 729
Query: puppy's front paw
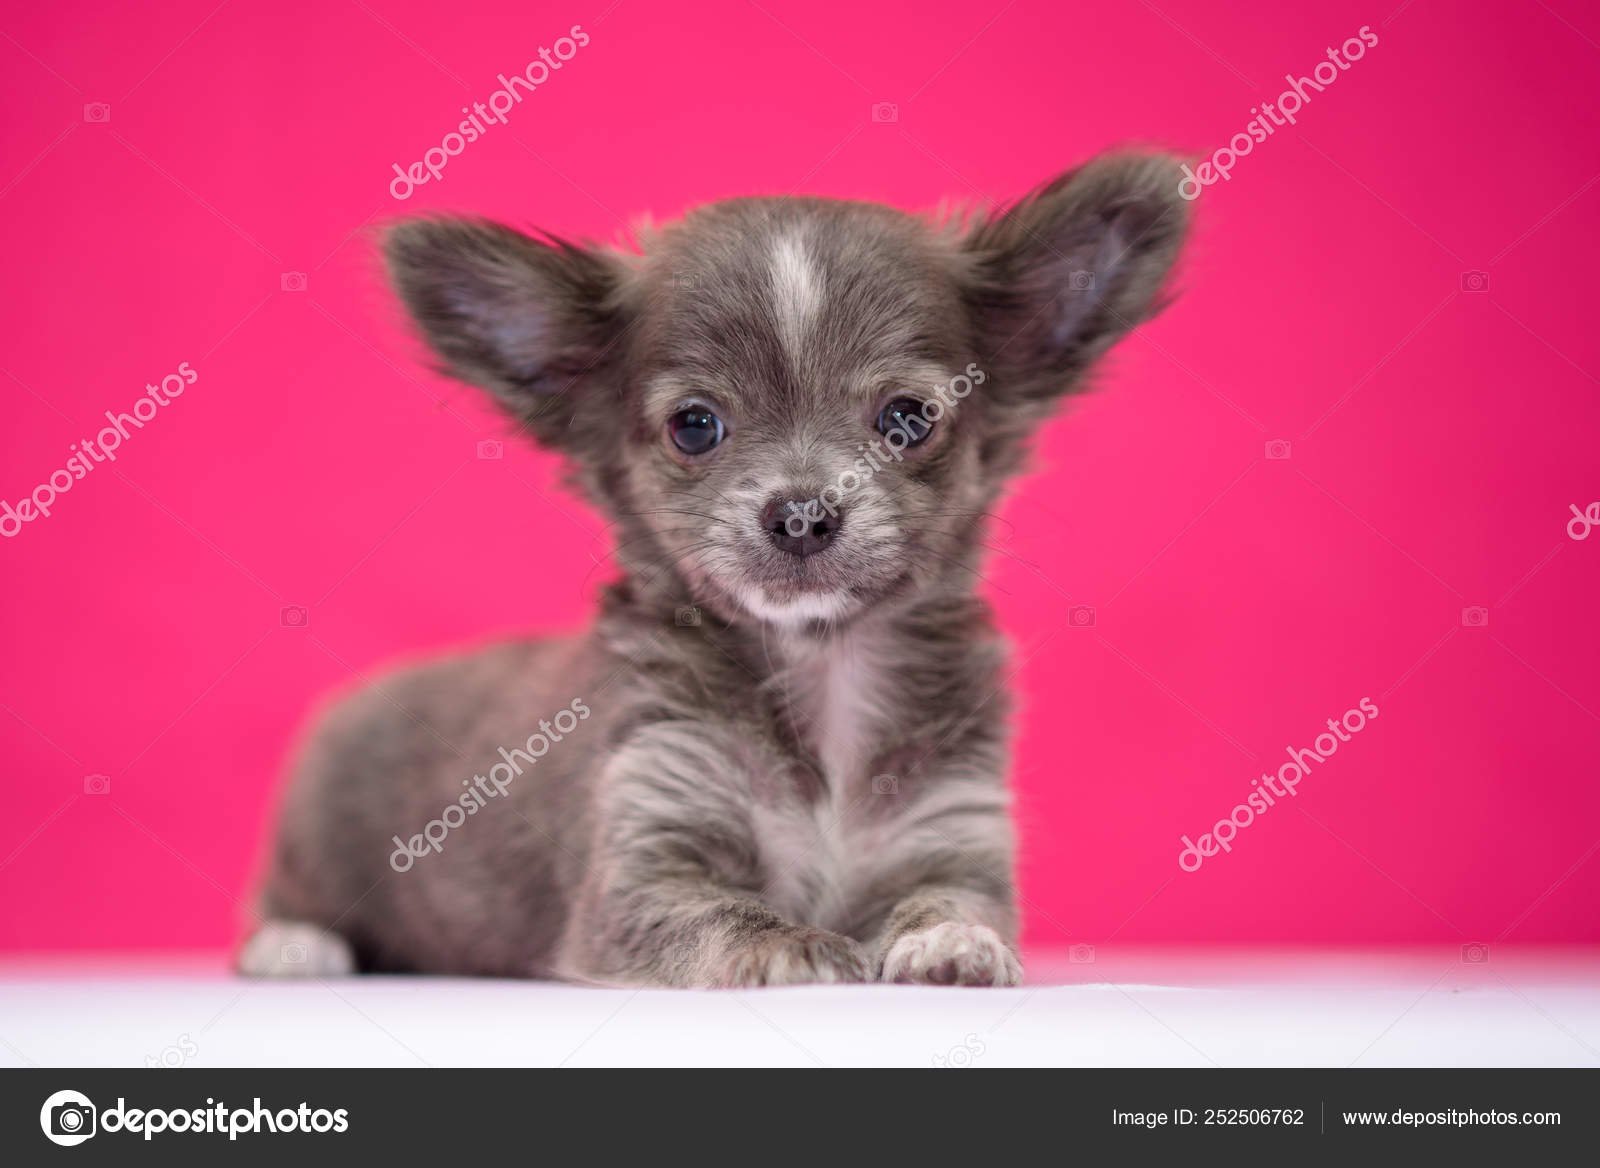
pixel 795 957
pixel 953 954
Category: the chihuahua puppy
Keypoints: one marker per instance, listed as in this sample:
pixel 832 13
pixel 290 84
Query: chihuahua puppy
pixel 780 754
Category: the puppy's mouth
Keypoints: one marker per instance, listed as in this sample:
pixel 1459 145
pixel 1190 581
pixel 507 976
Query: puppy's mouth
pixel 794 590
pixel 819 589
pixel 780 584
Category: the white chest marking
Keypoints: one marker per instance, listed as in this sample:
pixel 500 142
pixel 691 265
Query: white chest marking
pixel 821 852
pixel 844 717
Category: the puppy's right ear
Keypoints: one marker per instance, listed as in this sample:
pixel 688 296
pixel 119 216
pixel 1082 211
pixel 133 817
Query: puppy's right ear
pixel 530 320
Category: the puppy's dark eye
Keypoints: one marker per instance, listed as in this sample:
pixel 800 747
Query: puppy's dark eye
pixel 695 430
pixel 905 414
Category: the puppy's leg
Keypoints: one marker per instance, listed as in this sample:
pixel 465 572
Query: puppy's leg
pixel 671 895
pixel 295 949
pixel 944 907
pixel 687 931
pixel 948 936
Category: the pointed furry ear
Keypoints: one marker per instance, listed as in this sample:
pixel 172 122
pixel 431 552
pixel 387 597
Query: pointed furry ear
pixel 1059 277
pixel 530 320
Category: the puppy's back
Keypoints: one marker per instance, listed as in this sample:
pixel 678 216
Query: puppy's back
pixel 389 759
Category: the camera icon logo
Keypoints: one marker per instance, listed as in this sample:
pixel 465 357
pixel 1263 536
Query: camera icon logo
pixel 1080 281
pixel 686 281
pixel 97 784
pixel 491 448
pixel 1278 448
pixel 1081 955
pixel 292 954
pixel 885 785
pixel 293 282
pixel 1474 281
pixel 1475 617
pixel 293 616
pixel 885 112
pixel 98 112
pixel 68 1118
pixel 683 954
pixel 1081 617
pixel 687 617
pixel 1475 953
pixel 958 1057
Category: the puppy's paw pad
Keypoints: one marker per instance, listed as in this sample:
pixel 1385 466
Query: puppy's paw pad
pixel 296 949
pixel 953 954
pixel 798 957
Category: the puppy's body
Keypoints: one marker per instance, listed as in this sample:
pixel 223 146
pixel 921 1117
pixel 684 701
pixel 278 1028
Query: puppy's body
pixel 701 762
pixel 806 782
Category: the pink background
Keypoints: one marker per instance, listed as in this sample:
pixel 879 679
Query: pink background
pixel 1437 435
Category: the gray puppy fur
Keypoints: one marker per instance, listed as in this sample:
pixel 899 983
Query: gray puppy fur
pixel 802 777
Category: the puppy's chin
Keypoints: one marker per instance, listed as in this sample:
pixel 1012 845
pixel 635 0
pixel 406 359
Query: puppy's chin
pixel 797 610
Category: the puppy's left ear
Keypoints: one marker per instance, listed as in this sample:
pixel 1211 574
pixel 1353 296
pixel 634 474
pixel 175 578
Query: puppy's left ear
pixel 535 321
pixel 1057 279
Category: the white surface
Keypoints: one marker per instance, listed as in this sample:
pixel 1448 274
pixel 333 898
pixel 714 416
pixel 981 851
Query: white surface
pixel 1160 1008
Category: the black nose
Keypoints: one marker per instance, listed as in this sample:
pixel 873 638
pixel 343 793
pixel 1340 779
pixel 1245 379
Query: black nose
pixel 799 528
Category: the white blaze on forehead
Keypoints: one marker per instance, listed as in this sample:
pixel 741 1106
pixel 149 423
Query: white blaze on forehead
pixel 796 290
